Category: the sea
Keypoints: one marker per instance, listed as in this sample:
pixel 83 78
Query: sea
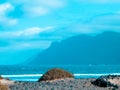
pixel 34 72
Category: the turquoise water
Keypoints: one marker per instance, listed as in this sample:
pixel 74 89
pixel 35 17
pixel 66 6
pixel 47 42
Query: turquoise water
pixel 33 73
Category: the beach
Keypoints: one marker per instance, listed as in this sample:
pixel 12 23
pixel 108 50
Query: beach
pixel 59 79
pixel 64 84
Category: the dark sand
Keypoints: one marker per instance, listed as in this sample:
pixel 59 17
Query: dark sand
pixel 66 84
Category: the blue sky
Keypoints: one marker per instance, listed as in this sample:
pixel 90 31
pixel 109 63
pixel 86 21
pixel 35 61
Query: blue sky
pixel 29 26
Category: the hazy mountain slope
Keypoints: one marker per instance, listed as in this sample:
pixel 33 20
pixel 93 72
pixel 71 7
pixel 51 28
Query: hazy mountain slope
pixel 83 49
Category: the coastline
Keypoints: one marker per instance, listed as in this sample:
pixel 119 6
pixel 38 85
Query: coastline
pixel 64 84
pixel 35 77
pixel 59 79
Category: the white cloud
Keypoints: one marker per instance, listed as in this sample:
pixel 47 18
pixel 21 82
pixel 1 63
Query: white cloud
pixel 30 32
pixel 35 8
pixel 5 7
pixel 31 44
pixel 7 21
pixel 36 11
pixel 4 20
pixel 25 39
pixel 33 31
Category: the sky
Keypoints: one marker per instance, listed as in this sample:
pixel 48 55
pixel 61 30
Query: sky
pixel 29 26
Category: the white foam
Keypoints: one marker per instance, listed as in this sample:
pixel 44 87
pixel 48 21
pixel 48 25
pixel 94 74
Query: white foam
pixel 39 75
pixel 24 75
pixel 96 74
pixel 26 79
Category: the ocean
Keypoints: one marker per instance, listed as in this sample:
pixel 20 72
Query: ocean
pixel 34 72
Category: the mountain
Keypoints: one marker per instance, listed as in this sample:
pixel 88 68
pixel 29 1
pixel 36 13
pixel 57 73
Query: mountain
pixel 82 49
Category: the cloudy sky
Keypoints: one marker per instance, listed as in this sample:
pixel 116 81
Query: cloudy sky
pixel 29 26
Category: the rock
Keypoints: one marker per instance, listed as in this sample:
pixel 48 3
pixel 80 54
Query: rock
pixel 5 82
pixel 106 81
pixel 1 77
pixel 54 74
pixel 3 87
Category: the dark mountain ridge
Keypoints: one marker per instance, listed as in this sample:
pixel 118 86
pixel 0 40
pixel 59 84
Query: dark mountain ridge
pixel 82 49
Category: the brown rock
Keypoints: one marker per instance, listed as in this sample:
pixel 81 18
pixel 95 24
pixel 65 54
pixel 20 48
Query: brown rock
pixel 3 87
pixel 55 73
pixel 1 77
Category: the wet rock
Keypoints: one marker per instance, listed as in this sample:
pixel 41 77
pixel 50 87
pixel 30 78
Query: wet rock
pixel 106 81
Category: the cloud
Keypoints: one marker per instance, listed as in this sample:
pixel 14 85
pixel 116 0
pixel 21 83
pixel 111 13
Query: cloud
pixel 96 24
pixel 29 32
pixel 100 23
pixel 4 46
pixel 99 1
pixel 106 22
pixel 36 11
pixel 31 44
pixel 4 20
pixel 33 31
pixel 29 38
pixel 7 21
pixel 5 7
pixel 35 8
pixel 24 39
pixel 53 3
pixel 38 45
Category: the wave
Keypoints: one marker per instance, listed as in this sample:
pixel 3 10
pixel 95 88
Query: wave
pixel 96 74
pixel 23 75
pixel 36 75
pixel 26 79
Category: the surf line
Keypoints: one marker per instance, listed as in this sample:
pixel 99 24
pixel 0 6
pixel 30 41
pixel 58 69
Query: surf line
pixel 36 75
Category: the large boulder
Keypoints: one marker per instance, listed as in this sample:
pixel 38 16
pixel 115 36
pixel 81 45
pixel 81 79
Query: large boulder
pixel 107 81
pixel 54 74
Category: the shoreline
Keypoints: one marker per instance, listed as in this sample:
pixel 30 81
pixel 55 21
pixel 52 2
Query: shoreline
pixel 35 77
pixel 63 84
pixel 59 79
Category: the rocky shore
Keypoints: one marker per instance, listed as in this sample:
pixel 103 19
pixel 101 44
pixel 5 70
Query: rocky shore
pixel 58 79
pixel 66 84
